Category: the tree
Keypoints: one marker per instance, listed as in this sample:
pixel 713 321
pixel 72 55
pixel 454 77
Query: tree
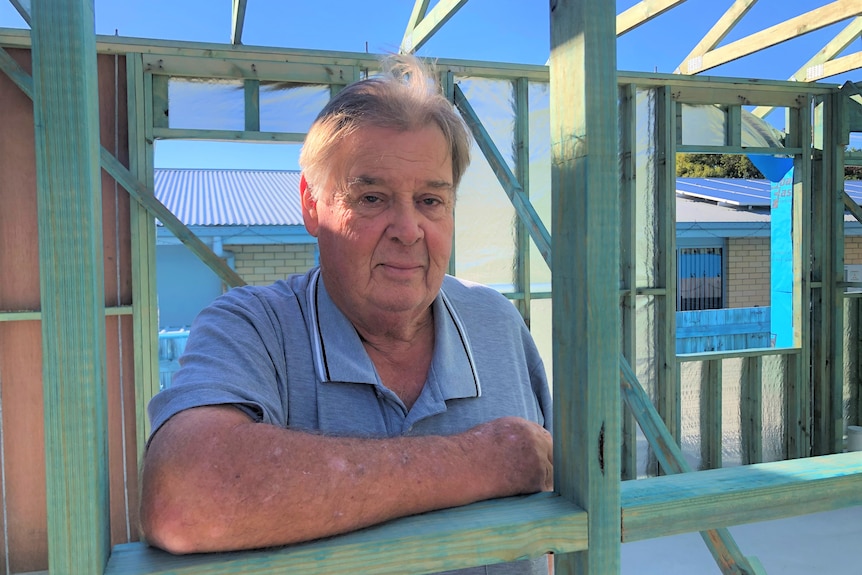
pixel 716 166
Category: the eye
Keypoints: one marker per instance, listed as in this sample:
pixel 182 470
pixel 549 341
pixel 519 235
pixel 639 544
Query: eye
pixel 431 201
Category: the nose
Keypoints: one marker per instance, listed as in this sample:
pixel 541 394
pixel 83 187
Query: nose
pixel 405 225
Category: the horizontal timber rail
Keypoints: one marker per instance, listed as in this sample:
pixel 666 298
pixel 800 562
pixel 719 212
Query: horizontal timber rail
pixel 701 500
pixel 483 533
pixel 507 529
pixel 691 89
pixel 736 353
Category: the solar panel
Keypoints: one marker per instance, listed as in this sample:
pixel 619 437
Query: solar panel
pixel 740 193
pixel 854 190
pixel 737 193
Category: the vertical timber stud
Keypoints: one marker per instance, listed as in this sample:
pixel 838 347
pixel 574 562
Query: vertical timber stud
pixel 522 173
pixel 667 384
pixel 798 374
pixel 447 86
pixel 586 328
pixel 628 275
pixel 71 272
pixel 827 181
pixel 144 300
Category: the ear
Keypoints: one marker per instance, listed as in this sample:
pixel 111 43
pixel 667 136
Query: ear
pixel 309 207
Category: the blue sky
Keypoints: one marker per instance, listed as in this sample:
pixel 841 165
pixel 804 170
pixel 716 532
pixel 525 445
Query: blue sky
pixel 489 30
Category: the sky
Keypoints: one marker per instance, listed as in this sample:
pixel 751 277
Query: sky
pixel 515 31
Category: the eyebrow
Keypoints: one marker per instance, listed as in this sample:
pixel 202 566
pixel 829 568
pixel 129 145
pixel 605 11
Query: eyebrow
pixel 371 181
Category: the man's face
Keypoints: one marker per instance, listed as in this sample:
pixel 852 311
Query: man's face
pixel 385 228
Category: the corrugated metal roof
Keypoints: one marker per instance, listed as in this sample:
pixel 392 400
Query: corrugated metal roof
pixel 230 197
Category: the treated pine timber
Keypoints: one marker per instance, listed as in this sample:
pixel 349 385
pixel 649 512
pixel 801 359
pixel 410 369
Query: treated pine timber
pixel 420 8
pixel 237 21
pixel 239 69
pixel 522 169
pixel 674 504
pixel 141 193
pixel 478 534
pixel 718 540
pixel 526 213
pixel 23 8
pixel 703 149
pixel 852 206
pixel 787 30
pixel 586 329
pixel 628 264
pixel 251 89
pixel 193 59
pixel 751 409
pixel 711 414
pixel 643 12
pixel 428 25
pixel 716 34
pixel 809 71
pixel 72 285
pixel 227 135
pixel 663 201
pixel 829 310
pixel 143 250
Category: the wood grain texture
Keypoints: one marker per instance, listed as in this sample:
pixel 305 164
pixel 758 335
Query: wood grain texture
pixel 69 202
pixel 478 534
pixel 586 277
pixel 716 498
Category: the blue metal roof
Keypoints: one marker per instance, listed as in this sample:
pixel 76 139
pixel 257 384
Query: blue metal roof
pixel 230 197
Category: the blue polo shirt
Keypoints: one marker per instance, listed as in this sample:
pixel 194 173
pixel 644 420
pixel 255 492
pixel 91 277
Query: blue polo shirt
pixel 287 355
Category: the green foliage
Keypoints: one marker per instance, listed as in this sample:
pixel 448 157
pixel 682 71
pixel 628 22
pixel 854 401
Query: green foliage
pixel 853 172
pixel 852 167
pixel 715 166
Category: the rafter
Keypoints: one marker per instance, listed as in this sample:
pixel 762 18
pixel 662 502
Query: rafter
pixel 23 8
pixel 717 33
pixel 420 8
pixel 792 28
pixel 643 12
pixel 422 31
pixel 835 67
pixel 237 21
pixel 813 69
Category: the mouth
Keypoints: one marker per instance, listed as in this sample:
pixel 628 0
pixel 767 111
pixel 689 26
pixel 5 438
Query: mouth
pixel 401 269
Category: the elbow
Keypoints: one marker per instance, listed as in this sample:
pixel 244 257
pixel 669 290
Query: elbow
pixel 162 527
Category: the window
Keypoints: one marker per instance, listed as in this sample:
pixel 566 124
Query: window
pixel 700 283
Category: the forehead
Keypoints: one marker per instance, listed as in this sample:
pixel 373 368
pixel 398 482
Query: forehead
pixel 374 150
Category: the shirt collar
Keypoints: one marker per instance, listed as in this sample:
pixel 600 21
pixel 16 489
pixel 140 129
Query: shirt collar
pixel 340 356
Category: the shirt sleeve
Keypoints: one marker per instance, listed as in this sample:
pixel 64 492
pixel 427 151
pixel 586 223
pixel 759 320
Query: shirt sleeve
pixel 234 355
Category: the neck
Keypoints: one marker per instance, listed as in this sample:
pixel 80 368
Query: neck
pixel 403 362
pixel 395 331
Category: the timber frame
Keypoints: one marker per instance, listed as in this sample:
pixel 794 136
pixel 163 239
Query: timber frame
pixel 597 292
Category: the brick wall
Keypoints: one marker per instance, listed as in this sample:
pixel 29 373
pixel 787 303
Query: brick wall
pixel 853 249
pixel 748 272
pixel 748 269
pixel 264 264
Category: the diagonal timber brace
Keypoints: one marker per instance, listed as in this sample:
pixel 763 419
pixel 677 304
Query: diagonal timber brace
pixel 719 541
pixel 136 189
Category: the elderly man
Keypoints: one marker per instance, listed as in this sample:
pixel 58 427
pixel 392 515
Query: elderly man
pixel 372 387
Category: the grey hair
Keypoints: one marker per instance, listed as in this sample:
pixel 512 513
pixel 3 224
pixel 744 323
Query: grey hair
pixel 406 96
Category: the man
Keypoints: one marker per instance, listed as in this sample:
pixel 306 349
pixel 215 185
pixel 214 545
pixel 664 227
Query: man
pixel 374 386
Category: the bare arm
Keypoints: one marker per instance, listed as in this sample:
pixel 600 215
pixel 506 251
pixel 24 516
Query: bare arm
pixel 213 480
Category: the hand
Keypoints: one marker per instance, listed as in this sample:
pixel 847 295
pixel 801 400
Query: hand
pixel 519 454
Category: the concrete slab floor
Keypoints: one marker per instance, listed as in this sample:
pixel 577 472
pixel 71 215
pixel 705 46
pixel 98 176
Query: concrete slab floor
pixel 827 543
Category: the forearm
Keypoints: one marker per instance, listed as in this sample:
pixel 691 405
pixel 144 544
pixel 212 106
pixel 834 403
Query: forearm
pixel 246 485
